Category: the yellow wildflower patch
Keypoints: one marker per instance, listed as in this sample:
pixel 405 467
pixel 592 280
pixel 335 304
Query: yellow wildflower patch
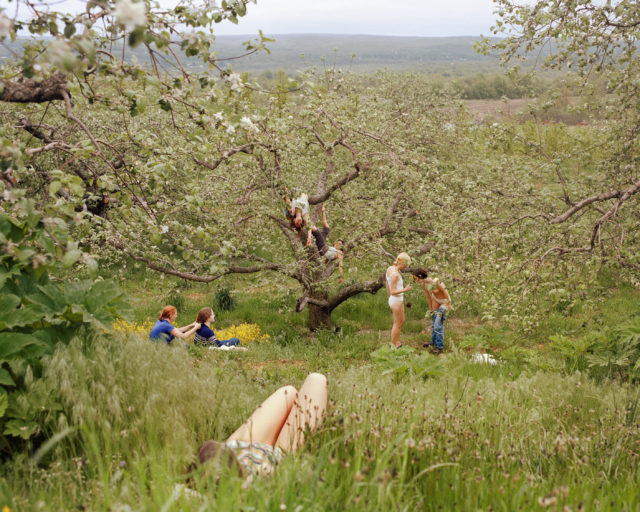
pixel 124 327
pixel 246 333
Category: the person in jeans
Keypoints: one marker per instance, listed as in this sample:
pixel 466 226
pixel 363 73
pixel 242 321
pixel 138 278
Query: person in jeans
pixel 439 304
pixel 205 336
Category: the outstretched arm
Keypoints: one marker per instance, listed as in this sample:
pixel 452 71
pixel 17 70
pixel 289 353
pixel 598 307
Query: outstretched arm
pixel 178 332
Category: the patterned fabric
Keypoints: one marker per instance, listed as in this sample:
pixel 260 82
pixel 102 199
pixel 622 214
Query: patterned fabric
pixel 205 342
pixel 256 458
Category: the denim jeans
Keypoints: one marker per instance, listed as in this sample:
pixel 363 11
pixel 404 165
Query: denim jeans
pixel 437 327
pixel 232 342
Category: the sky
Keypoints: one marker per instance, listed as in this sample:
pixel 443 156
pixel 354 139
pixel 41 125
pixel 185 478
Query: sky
pixel 379 17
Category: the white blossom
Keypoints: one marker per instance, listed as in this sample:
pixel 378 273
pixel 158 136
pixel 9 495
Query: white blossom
pixel 218 116
pixel 130 14
pixel 7 195
pixel 235 81
pixel 6 25
pixel 231 129
pixel 190 37
pixel 248 125
pixel 164 228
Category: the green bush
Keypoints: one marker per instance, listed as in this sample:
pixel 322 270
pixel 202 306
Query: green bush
pixel 37 314
pixel 225 301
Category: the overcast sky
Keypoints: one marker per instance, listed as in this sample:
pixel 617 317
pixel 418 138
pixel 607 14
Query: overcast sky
pixel 383 17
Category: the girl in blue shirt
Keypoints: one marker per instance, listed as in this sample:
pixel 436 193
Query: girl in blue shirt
pixel 205 336
pixel 164 330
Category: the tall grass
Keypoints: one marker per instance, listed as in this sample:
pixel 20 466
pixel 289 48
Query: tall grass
pixel 477 437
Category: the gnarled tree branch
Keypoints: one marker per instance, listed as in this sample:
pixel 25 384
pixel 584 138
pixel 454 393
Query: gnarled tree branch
pixel 34 91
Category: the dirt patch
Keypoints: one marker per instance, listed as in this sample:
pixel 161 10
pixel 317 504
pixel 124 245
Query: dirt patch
pixel 277 362
pixel 496 108
pixel 202 297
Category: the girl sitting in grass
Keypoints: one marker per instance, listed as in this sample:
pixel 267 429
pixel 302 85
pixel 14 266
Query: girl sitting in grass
pixel 164 330
pixel 205 336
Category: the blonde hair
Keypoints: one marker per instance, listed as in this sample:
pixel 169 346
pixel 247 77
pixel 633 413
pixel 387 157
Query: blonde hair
pixel 403 257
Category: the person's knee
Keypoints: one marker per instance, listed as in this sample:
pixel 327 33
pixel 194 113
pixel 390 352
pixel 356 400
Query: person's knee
pixel 317 379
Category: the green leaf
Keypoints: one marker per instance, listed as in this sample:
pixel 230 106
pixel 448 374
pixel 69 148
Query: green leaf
pixel 164 105
pixel 54 188
pixel 71 257
pixel 25 316
pixel 13 342
pixel 69 30
pixel 101 294
pixel 136 37
pixel 21 428
pixel 4 402
pixel 5 379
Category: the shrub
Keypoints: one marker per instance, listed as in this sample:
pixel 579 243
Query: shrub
pixel 225 301
pixel 37 314
pixel 176 299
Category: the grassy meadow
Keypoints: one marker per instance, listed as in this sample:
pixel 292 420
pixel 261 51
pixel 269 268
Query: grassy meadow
pixel 405 430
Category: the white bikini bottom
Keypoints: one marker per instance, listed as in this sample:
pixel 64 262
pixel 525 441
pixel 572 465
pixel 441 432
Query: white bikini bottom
pixel 394 299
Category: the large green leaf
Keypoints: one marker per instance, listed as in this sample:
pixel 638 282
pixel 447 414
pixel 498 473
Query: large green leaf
pixel 101 294
pixel 12 343
pixel 22 317
pixel 21 428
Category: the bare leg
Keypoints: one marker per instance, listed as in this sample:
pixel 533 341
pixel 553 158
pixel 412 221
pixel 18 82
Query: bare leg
pixel 307 410
pixel 266 422
pixel 398 320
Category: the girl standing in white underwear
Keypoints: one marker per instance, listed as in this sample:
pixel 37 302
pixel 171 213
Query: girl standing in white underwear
pixel 395 292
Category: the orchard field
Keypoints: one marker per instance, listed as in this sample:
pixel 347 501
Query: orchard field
pixel 130 181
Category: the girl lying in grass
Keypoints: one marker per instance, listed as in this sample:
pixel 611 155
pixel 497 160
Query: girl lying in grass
pixel 277 426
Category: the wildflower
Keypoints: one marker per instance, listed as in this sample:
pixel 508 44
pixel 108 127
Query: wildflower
pixel 130 14
pixel 164 228
pixel 218 116
pixel 547 501
pixel 231 129
pixel 410 443
pixel 6 26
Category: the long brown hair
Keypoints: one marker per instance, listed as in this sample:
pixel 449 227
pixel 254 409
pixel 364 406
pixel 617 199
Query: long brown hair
pixel 203 315
pixel 214 456
pixel 167 312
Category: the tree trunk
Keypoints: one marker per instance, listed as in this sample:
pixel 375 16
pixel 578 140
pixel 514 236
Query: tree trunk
pixel 319 317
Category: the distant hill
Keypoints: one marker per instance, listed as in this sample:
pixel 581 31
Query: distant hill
pixel 293 52
pixel 359 53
